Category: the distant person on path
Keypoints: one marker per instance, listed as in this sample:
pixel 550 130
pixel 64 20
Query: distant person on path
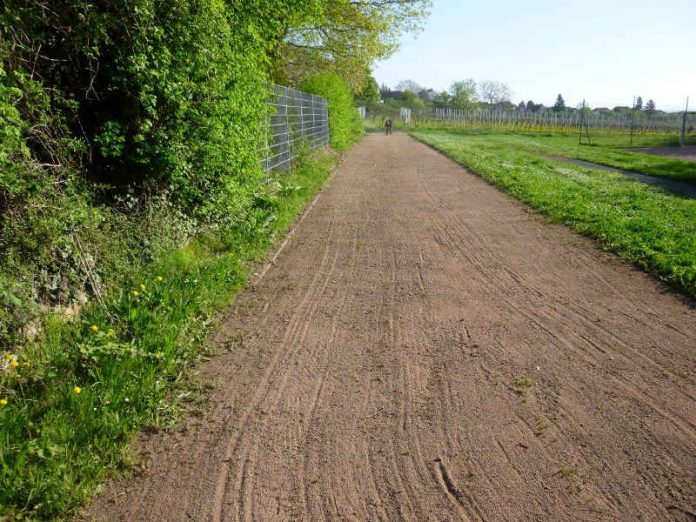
pixel 388 126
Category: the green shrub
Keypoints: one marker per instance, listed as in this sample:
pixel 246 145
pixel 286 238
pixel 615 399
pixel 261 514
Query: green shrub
pixel 345 124
pixel 126 128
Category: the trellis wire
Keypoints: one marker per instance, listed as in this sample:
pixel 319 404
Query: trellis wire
pixel 544 121
pixel 299 119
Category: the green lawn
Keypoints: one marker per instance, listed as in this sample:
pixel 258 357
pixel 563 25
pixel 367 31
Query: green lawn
pixel 612 151
pixel 72 400
pixel 641 223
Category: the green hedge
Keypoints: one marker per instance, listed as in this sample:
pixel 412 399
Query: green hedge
pixel 126 128
pixel 344 120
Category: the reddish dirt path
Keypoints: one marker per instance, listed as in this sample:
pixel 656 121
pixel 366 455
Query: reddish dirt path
pixel 426 349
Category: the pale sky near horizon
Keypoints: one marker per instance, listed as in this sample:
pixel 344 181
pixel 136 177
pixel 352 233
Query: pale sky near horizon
pixel 605 51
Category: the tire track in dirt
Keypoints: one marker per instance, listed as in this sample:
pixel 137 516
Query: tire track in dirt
pixel 656 408
pixel 481 263
pixel 311 410
pixel 532 313
pixel 373 371
pixel 292 339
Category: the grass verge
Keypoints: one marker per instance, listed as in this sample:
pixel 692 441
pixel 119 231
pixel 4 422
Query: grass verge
pixel 641 223
pixel 613 151
pixel 70 404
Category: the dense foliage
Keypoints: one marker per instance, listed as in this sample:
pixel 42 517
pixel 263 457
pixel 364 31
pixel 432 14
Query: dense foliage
pixel 344 121
pixel 348 37
pixel 118 116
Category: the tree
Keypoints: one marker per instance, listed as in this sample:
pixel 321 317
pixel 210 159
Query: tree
pixel 408 85
pixel 463 95
pixel 442 99
pixel 370 92
pixel 533 107
pixel 583 108
pixel 639 103
pixel 427 95
pixel 494 92
pixel 412 100
pixel 346 37
pixel 344 121
pixel 650 107
pixel 559 106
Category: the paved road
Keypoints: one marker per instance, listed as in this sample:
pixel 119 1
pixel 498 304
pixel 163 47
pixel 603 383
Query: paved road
pixel 425 348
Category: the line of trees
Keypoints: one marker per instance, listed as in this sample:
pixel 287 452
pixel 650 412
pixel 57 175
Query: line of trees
pixel 469 94
pixel 462 94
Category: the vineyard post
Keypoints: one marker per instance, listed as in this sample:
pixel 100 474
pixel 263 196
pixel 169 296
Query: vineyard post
pixel 633 112
pixel 682 135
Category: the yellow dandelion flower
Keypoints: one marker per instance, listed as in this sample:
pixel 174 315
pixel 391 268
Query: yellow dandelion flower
pixel 3 402
pixel 9 356
pixel 77 390
pixel 159 278
pixel 142 286
pixel 14 363
pixel 27 365
pixel 94 328
pixel 135 293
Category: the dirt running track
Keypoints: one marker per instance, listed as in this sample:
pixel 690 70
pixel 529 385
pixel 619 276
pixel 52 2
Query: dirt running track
pixel 424 348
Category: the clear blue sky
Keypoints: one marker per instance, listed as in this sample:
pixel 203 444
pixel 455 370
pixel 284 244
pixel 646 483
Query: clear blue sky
pixel 602 50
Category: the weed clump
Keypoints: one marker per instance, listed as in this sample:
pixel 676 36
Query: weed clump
pixel 522 386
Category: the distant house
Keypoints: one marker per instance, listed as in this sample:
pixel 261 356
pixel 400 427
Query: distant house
pixel 603 110
pixel 388 94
